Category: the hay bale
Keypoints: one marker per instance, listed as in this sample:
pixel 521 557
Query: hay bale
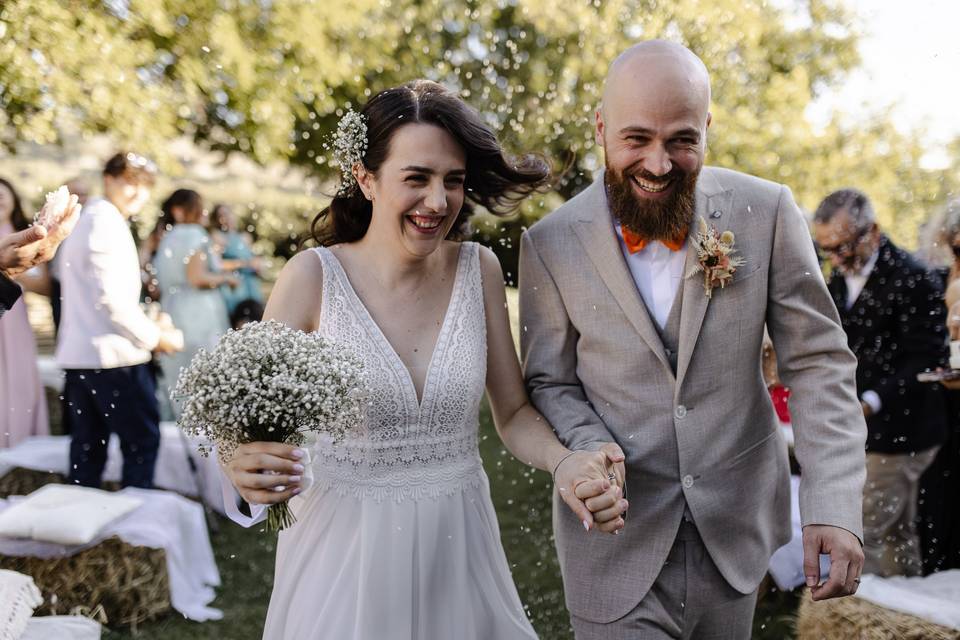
pixel 22 482
pixel 858 619
pixel 130 584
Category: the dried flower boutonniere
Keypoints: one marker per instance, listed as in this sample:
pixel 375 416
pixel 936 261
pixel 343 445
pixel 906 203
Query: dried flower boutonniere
pixel 715 257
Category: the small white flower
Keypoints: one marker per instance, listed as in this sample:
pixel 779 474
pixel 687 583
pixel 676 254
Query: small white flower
pixel 349 147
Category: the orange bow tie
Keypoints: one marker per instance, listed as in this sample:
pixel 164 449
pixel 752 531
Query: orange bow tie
pixel 637 243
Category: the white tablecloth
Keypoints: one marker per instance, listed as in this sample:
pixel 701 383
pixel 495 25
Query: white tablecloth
pixel 50 374
pixel 52 453
pixel 786 565
pixel 61 628
pixel 164 521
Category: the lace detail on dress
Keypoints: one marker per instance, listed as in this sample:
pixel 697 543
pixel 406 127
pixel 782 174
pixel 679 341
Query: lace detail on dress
pixel 409 449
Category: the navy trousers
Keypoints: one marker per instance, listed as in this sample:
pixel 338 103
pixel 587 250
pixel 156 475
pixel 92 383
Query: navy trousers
pixel 104 401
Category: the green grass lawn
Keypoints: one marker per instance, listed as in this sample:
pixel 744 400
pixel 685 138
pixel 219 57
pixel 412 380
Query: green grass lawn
pixel 522 500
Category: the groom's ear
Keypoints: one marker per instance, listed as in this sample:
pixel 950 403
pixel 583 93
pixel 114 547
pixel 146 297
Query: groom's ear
pixel 709 119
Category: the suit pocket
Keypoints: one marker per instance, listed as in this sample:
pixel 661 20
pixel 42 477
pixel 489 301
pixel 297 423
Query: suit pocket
pixel 745 453
pixel 745 272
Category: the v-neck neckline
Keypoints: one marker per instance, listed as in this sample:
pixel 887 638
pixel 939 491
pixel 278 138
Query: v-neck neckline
pixel 387 347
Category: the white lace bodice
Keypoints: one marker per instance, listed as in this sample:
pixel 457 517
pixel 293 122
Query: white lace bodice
pixel 410 449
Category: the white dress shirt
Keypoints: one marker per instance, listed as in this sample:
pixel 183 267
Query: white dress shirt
pixel 855 284
pixel 657 272
pixel 103 325
pixel 857 281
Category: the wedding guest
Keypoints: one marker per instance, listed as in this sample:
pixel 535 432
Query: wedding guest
pixel 24 405
pixel 236 255
pixel 148 251
pixel 890 307
pixel 939 514
pixel 189 287
pixel 106 340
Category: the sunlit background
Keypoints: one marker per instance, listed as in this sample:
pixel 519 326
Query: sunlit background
pixel 238 99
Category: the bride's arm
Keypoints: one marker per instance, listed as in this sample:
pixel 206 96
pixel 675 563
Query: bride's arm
pixel 581 476
pixel 296 296
pixel 294 301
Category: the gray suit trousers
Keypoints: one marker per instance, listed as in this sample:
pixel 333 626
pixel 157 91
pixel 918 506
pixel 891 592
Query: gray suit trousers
pixel 690 599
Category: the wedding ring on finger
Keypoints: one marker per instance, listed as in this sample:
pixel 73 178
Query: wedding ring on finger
pixel 612 478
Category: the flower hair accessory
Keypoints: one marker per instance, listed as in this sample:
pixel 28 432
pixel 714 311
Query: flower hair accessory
pixel 349 147
pixel 715 257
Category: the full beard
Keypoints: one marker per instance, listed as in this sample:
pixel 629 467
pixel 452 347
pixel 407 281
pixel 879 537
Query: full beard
pixel 666 219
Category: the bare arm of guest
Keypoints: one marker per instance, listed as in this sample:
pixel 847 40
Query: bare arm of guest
pixel 200 276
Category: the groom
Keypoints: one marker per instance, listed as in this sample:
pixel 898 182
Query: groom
pixel 626 341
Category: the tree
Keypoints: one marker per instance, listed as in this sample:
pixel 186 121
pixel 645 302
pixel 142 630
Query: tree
pixel 270 79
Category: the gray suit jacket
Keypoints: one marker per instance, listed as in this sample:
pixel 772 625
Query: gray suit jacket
pixel 708 436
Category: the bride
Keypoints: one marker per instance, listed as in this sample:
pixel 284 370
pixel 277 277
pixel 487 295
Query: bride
pixel 397 537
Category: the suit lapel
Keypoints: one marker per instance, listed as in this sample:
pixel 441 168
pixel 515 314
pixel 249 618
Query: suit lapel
pixel 838 290
pixel 594 229
pixel 713 204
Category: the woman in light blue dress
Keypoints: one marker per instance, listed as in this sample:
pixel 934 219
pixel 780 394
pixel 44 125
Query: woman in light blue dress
pixel 189 285
pixel 236 255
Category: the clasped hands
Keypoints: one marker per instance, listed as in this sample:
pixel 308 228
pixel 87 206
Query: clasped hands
pixel 591 484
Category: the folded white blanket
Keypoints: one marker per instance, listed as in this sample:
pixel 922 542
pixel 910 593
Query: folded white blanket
pixel 64 514
pixel 933 598
pixel 19 596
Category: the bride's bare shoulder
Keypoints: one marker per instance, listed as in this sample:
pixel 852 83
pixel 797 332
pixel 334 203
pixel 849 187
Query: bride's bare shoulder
pixel 297 294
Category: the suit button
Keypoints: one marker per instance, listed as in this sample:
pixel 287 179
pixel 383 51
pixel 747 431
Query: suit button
pixel 687 481
pixel 680 412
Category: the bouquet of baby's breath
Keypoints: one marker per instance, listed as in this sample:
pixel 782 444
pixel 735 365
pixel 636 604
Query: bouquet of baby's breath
pixel 269 382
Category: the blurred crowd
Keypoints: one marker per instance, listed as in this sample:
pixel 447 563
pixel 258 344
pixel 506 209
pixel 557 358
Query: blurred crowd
pixel 129 318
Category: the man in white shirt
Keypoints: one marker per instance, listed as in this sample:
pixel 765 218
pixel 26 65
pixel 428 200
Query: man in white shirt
pixel 106 341
pixel 892 311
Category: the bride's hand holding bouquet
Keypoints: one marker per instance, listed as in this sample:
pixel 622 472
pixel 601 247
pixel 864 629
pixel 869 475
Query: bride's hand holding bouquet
pixel 258 395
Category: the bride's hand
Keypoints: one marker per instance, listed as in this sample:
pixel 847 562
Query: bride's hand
pixel 583 480
pixel 266 472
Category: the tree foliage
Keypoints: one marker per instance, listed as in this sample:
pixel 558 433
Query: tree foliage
pixel 269 78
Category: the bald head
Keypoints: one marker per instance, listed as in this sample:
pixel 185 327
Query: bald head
pixel 658 65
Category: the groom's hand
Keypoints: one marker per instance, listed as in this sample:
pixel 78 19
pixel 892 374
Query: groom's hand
pixel 846 561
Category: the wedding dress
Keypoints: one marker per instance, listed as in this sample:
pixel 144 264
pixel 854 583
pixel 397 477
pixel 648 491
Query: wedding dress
pixel 397 538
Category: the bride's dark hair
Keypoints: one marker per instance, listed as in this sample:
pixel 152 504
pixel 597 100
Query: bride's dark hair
pixel 495 181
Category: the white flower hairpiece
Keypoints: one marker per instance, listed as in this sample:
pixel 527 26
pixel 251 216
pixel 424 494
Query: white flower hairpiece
pixel 349 147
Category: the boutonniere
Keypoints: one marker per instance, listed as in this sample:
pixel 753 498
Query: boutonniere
pixel 715 257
